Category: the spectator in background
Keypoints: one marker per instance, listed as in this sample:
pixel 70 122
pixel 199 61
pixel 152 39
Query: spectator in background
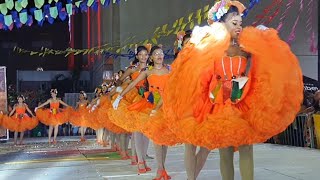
pixel 44 128
pixel 310 102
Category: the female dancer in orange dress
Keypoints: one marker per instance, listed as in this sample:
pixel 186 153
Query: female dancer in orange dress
pixel 54 116
pixel 20 122
pixel 120 133
pixel 94 119
pixel 234 78
pixel 142 110
pixel 78 118
pixel 139 143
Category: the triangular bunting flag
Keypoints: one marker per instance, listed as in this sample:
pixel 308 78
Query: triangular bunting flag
pixel 18 6
pixel 54 12
pixel 9 4
pixel 23 17
pixel 38 15
pixel 8 20
pixel 24 3
pixel 3 9
pixel 39 3
pixel 69 8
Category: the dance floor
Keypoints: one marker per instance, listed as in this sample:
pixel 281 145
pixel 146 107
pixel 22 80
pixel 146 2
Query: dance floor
pixel 70 159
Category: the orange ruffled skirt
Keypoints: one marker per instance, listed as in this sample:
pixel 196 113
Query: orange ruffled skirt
pixel 78 117
pixel 92 120
pixel 107 123
pixel 126 115
pixel 157 129
pixel 49 119
pixel 271 104
pixel 15 124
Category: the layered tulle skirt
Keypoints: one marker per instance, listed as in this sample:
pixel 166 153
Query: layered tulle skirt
pixel 52 119
pixel 271 104
pixel 19 123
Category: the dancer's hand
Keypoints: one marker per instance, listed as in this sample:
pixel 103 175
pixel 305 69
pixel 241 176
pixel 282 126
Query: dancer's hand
pixel 119 89
pixel 153 112
pixel 35 109
pixel 93 108
pixel 116 102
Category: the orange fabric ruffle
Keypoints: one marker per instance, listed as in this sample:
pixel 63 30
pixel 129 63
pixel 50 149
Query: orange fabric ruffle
pixel 123 117
pixel 270 104
pixel 103 114
pixel 78 117
pixel 15 124
pixel 92 120
pixel 49 119
pixel 156 128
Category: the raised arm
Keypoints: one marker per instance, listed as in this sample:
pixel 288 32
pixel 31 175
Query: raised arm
pixel 127 73
pixel 44 104
pixel 143 75
pixel 112 93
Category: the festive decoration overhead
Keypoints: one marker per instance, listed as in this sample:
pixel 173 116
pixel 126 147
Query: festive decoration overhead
pixel 43 12
pixel 165 30
pixel 130 54
pixel 180 24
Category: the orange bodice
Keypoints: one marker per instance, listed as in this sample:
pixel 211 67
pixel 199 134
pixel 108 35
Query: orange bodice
pixel 157 82
pixel 54 107
pixel 223 86
pixel 82 106
pixel 20 110
pixel 229 67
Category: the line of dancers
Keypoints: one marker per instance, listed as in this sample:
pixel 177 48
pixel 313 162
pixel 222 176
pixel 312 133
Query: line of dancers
pixel 228 88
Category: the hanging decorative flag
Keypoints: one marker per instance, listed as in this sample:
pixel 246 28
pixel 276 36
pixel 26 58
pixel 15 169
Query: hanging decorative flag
pixel 69 8
pixel 3 8
pixel 62 14
pixel 47 13
pixel 23 16
pixel 90 2
pixel 30 20
pixel 54 12
pixel 8 20
pixel 18 6
pixel 9 4
pixel 38 15
pixel 106 3
pixel 39 3
pixel 78 3
pixel 24 3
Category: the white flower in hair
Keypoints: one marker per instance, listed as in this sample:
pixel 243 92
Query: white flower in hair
pixel 221 11
pixel 262 27
pixel 199 33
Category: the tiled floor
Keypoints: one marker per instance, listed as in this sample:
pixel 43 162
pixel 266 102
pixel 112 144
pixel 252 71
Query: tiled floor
pixel 67 161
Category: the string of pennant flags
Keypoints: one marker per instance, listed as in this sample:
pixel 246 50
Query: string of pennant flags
pixel 16 14
pixel 187 22
pixel 165 30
